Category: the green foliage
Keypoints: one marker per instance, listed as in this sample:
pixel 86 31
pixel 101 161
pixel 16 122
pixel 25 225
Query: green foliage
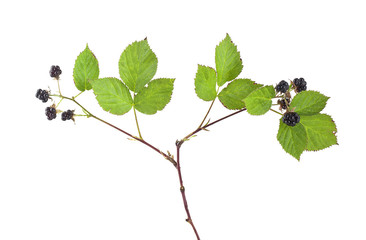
pixel 228 61
pixel 308 102
pixel 137 65
pixel 320 131
pixel 314 132
pixel 310 130
pixel 112 95
pixel 228 67
pixel 260 101
pixel 86 68
pixel 232 97
pixel 205 83
pixel 292 139
pixel 155 96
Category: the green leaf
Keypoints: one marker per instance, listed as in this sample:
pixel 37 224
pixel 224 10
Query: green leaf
pixel 320 129
pixel 292 139
pixel 308 102
pixel 112 95
pixel 260 101
pixel 137 65
pixel 228 61
pixel 155 96
pixel 205 83
pixel 233 95
pixel 86 68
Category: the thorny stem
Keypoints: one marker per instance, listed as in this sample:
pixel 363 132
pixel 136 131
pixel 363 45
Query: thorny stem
pixel 177 163
pixel 186 138
pixel 166 156
pixel 182 189
pixel 178 145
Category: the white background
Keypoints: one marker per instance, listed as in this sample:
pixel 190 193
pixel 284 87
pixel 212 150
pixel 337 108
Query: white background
pixel 60 180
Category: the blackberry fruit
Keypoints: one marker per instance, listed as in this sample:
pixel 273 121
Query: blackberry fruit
pixel 300 84
pixel 282 86
pixel 39 91
pixel 51 113
pixel 291 118
pixel 67 115
pixel 55 71
pixel 42 95
pixel 282 102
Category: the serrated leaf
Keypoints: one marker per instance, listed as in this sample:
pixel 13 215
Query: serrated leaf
pixel 155 96
pixel 233 95
pixel 260 101
pixel 308 102
pixel 112 95
pixel 320 129
pixel 228 61
pixel 86 68
pixel 137 65
pixel 292 139
pixel 205 83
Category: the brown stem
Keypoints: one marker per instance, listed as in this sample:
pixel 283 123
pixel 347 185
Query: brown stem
pixel 167 157
pixel 178 166
pixel 212 123
pixel 183 190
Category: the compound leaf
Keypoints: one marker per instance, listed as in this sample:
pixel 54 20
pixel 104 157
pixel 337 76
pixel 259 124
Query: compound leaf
pixel 112 95
pixel 233 95
pixel 308 102
pixel 228 61
pixel 260 101
pixel 205 83
pixel 320 129
pixel 85 69
pixel 155 96
pixel 137 65
pixel 292 139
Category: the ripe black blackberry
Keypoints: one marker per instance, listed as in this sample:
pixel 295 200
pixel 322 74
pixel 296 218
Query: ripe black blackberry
pixel 67 115
pixel 55 71
pixel 51 113
pixel 42 95
pixel 282 86
pixel 300 84
pixel 291 118
pixel 283 103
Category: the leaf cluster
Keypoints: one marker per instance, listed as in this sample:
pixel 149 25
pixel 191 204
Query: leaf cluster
pixel 135 88
pixel 315 131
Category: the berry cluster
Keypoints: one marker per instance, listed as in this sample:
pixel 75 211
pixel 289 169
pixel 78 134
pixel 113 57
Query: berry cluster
pixel 67 115
pixel 42 95
pixel 51 112
pixel 282 86
pixel 291 118
pixel 55 71
pixel 300 84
